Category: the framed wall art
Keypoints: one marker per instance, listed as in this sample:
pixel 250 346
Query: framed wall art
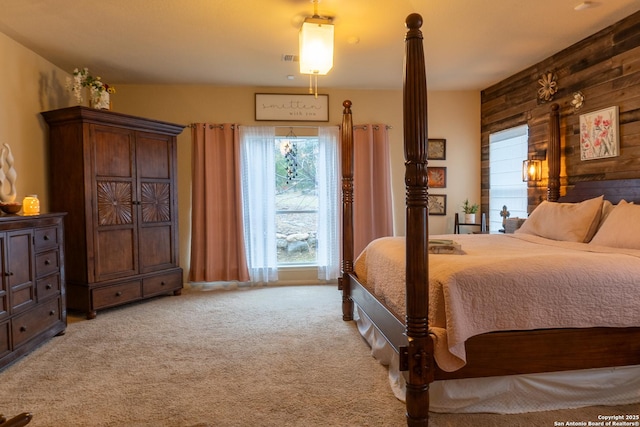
pixel 599 136
pixel 437 204
pixel 437 176
pixel 436 149
pixel 285 107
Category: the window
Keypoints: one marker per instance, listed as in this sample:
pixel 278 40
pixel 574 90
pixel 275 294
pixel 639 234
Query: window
pixel 290 198
pixel 507 150
pixel 296 199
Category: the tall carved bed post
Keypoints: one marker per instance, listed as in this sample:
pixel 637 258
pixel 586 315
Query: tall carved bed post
pixel 347 211
pixel 553 154
pixel 417 357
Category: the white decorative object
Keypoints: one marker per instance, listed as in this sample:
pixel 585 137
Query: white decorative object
pixel 470 218
pixel 99 99
pixel 99 92
pixel 577 101
pixel 8 175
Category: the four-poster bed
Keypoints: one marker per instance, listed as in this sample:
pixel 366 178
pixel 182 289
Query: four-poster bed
pixel 408 330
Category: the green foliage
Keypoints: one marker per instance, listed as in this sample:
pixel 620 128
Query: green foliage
pixel 469 208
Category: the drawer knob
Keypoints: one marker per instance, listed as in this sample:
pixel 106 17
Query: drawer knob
pixel 162 283
pixel 46 237
pixel 118 294
pixel 47 262
pixel 23 329
pixel 9 273
pixel 52 313
pixel 48 286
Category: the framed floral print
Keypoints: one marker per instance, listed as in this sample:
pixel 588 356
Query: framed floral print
pixel 437 176
pixel 436 149
pixel 599 137
pixel 437 204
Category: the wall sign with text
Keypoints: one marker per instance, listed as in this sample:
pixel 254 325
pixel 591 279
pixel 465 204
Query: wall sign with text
pixel 283 107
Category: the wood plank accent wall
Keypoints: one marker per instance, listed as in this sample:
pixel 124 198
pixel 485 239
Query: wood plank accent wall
pixel 605 67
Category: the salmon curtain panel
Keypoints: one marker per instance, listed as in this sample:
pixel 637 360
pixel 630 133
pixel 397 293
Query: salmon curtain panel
pixel 217 239
pixel 372 211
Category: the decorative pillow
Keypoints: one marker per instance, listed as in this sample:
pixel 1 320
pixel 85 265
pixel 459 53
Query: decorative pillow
pixel 621 229
pixel 570 222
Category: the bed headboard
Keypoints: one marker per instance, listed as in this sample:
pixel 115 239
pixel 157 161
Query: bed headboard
pixel 613 191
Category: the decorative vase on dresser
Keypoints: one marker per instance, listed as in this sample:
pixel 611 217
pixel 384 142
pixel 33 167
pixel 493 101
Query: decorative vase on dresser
pixel 32 288
pixel 115 175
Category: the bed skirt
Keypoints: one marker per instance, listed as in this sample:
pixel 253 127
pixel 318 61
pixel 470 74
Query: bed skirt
pixel 515 393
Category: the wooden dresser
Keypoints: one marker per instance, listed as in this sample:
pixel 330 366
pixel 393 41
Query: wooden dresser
pixel 32 292
pixel 115 176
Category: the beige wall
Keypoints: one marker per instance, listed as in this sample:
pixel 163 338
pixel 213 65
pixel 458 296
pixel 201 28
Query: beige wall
pixel 32 85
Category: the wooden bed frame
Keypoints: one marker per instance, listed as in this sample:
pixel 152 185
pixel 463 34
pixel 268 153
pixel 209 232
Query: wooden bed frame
pixel 491 354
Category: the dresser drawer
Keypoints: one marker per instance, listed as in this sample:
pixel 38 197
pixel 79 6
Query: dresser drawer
pixel 47 286
pixel 47 263
pixel 47 238
pixel 31 323
pixel 116 294
pixel 161 283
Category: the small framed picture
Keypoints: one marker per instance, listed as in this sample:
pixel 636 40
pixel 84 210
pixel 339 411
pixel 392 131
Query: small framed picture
pixel 437 204
pixel 436 149
pixel 437 176
pixel 599 137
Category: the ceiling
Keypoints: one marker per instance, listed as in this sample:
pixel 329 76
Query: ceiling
pixel 469 44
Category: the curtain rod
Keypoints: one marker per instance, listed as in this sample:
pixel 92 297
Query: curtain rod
pixel 375 127
pixel 193 126
pixel 364 127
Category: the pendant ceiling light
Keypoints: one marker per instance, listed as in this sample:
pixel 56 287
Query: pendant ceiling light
pixel 316 46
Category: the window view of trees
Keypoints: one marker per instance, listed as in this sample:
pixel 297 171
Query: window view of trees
pixel 296 200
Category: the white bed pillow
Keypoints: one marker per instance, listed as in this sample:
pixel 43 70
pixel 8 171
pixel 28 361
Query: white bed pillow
pixel 569 222
pixel 621 228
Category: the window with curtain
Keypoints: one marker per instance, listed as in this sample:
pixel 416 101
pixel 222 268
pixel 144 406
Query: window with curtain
pixel 290 195
pixel 507 150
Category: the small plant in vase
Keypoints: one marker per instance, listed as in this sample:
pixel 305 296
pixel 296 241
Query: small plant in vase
pixel 99 92
pixel 470 211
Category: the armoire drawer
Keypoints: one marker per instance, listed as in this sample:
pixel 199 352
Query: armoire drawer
pixel 116 294
pixel 161 283
pixel 31 323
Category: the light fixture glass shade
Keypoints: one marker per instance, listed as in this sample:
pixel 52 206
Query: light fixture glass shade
pixel 531 170
pixel 316 46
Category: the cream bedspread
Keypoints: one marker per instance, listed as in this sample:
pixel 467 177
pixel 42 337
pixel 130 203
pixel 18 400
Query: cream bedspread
pixel 509 282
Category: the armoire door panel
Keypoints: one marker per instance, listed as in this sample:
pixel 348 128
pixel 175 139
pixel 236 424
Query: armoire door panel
pixel 153 153
pixel 113 151
pixel 116 253
pixel 155 201
pixel 114 202
pixel 158 248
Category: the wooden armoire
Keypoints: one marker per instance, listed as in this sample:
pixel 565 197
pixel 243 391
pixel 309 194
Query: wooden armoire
pixel 115 176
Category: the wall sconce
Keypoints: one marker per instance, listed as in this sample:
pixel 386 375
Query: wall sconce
pixel 532 170
pixel 532 167
pixel 316 47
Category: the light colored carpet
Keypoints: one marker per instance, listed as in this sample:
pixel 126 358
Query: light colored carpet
pixel 277 356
